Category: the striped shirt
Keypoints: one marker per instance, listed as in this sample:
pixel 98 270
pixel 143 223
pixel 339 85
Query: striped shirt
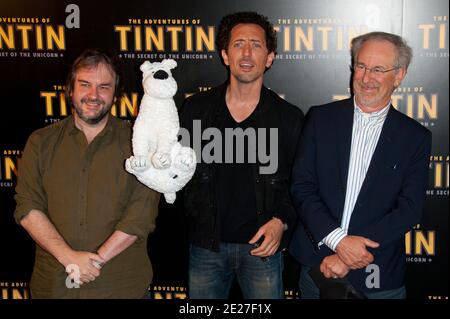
pixel 365 134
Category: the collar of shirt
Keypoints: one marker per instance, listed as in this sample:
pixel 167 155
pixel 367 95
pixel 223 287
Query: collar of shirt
pixel 72 129
pixel 260 109
pixel 374 116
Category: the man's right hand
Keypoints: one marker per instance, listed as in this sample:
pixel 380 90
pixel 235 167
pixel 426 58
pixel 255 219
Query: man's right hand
pixel 85 262
pixel 353 252
pixel 39 226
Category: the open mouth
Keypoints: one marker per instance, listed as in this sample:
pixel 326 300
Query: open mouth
pixel 246 66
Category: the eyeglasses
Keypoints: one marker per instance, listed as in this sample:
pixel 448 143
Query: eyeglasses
pixel 378 70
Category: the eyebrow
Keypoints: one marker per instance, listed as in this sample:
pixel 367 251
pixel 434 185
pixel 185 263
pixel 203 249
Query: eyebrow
pixel 376 66
pixel 101 84
pixel 243 40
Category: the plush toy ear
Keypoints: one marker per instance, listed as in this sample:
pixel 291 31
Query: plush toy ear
pixel 145 66
pixel 169 63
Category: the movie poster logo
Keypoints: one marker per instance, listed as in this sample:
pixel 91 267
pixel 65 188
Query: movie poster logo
pixel 438 176
pixel 418 103
pixel 433 33
pixel 180 292
pixel 168 292
pixel 56 107
pixel 200 89
pixel 156 38
pixel 434 297
pixel 54 104
pixel 9 160
pixel 14 290
pixel 420 245
pixel 37 37
pixel 316 38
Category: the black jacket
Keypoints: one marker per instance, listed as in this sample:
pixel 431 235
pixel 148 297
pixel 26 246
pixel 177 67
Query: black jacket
pixel 389 202
pixel 272 191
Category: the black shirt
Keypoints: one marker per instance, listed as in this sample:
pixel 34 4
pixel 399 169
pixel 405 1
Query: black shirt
pixel 271 187
pixel 235 190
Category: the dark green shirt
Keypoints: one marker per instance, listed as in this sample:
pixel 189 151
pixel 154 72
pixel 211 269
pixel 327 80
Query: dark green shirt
pixel 87 195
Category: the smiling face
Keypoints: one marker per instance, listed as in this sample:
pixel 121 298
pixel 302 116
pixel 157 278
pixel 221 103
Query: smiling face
pixel 247 54
pixel 373 91
pixel 93 93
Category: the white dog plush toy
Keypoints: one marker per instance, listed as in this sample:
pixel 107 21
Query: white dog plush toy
pixel 159 161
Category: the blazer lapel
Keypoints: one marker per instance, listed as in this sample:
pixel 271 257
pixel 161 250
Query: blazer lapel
pixel 344 140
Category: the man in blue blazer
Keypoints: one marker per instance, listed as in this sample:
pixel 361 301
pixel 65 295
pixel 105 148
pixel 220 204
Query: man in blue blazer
pixel 360 177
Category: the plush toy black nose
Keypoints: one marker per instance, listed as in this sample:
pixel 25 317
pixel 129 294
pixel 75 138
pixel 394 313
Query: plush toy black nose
pixel 161 75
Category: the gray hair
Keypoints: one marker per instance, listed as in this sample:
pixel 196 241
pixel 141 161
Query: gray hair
pixel 404 52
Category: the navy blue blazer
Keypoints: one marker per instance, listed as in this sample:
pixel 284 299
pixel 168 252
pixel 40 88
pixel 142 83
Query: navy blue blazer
pixel 391 198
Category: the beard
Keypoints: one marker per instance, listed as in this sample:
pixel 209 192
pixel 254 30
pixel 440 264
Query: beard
pixel 97 116
pixel 245 79
pixel 368 99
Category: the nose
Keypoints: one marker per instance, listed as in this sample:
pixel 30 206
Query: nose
pixel 161 75
pixel 366 75
pixel 93 92
pixel 247 50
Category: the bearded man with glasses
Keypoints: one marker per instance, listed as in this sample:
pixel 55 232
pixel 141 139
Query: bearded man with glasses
pixel 360 177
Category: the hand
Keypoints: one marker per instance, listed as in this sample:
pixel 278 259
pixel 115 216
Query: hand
pixel 353 252
pixel 333 267
pixel 88 265
pixel 272 232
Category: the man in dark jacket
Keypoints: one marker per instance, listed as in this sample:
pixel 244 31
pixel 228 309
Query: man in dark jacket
pixel 238 204
pixel 360 177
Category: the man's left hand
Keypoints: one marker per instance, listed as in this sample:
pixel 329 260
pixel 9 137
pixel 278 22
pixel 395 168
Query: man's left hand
pixel 272 232
pixel 333 267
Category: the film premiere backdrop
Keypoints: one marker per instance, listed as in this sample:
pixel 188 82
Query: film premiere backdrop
pixel 39 39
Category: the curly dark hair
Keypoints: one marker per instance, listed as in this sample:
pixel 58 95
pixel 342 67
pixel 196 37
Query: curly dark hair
pixel 228 22
pixel 92 58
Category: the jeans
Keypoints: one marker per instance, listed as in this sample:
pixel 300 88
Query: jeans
pixel 309 290
pixel 211 273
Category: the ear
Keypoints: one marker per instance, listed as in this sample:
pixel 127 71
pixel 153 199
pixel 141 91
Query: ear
pixel 145 66
pixel 169 63
pixel 399 76
pixel 224 57
pixel 270 58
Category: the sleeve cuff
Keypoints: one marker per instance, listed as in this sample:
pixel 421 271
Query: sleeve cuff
pixel 333 238
pixel 132 230
pixel 23 210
